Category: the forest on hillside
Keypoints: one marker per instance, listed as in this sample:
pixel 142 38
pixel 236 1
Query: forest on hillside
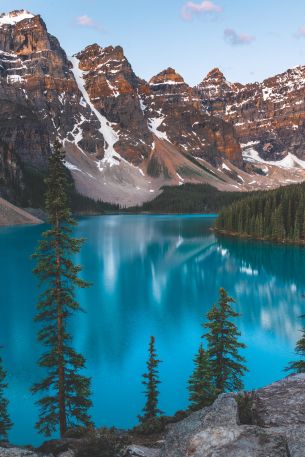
pixel 188 199
pixel 275 215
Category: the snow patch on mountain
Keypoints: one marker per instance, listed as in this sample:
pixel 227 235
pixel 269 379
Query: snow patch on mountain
pixel 167 83
pixel 14 17
pixel 110 135
pixel 288 162
pixel 154 123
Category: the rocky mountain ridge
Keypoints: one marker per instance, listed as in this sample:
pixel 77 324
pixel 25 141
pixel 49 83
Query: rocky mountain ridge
pixel 268 116
pixel 124 137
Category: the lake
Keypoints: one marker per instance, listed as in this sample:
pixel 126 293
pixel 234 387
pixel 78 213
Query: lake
pixel 151 275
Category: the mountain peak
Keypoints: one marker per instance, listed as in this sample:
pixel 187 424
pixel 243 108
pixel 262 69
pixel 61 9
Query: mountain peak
pixel 14 17
pixel 168 76
pixel 216 74
pixel 93 48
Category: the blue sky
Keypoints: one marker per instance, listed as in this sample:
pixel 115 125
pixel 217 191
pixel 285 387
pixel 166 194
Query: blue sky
pixel 247 40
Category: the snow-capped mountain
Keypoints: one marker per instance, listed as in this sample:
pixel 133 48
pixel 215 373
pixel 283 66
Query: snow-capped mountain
pixel 268 116
pixel 124 137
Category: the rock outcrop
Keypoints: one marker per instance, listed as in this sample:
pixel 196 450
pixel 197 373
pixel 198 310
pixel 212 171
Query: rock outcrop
pixel 275 428
pixel 174 113
pixel 267 116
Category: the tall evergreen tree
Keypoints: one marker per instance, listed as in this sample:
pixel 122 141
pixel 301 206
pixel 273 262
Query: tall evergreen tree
pixel 298 366
pixel 227 366
pixel 5 421
pixel 66 391
pixel 151 381
pixel 200 385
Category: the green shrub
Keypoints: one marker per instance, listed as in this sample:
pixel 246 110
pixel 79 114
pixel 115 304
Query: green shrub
pixel 103 443
pixel 245 407
pixel 151 426
pixel 158 424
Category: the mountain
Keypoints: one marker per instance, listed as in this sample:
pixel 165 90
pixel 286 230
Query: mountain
pixel 124 137
pixel 268 116
pixel 12 215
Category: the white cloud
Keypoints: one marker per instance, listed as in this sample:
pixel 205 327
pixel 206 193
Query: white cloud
pixel 86 21
pixel 236 39
pixel 301 32
pixel 190 9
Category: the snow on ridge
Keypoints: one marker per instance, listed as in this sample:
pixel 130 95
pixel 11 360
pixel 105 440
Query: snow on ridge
pixel 181 180
pixel 225 167
pixel 14 79
pixel 14 17
pixel 72 167
pixel 288 162
pixel 168 82
pixel 154 123
pixel 110 136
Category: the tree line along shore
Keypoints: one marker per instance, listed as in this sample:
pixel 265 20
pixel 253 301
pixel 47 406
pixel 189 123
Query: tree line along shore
pixel 275 215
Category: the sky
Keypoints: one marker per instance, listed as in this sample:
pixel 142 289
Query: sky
pixel 248 40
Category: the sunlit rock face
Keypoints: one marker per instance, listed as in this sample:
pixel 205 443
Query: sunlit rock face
pixel 113 88
pixel 175 112
pixel 40 99
pixel 268 116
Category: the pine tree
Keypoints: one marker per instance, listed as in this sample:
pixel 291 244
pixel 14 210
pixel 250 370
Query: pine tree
pixel 66 401
pixel 272 215
pixel 151 381
pixel 298 366
pixel 5 422
pixel 200 384
pixel 227 366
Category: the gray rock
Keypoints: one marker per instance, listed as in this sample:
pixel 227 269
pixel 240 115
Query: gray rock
pixel 141 451
pixel 20 452
pixel 296 441
pixel 237 441
pixel 67 454
pixel 278 429
pixel 179 434
pixel 223 412
pixel 281 403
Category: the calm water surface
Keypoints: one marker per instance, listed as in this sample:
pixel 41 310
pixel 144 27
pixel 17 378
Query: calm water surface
pixel 152 275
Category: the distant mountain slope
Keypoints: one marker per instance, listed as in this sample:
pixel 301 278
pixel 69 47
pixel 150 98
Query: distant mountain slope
pixel 124 137
pixel 268 116
pixel 12 215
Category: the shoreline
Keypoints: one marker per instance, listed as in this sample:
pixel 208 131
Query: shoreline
pixel 225 233
pixel 35 221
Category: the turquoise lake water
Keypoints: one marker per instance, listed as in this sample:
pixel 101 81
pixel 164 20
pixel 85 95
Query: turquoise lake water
pixel 152 275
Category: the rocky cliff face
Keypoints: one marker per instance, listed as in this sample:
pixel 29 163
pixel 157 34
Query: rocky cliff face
pixel 39 96
pixel 124 137
pixel 174 113
pixel 267 116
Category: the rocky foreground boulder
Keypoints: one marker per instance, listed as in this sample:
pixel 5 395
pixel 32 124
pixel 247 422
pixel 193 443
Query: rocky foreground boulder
pixel 275 425
pixel 269 422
